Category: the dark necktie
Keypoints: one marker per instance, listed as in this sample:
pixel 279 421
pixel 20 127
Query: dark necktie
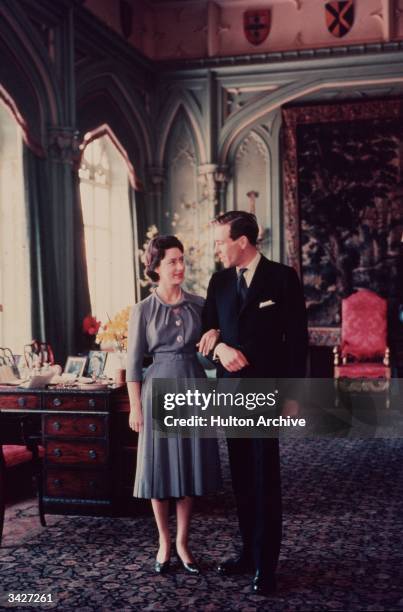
pixel 242 287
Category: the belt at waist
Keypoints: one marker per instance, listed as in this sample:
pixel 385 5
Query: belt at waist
pixel 171 356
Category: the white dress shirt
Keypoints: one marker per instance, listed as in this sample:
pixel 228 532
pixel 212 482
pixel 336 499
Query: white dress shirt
pixel 250 269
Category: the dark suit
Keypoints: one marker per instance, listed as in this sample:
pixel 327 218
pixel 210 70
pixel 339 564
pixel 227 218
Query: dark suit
pixel 274 341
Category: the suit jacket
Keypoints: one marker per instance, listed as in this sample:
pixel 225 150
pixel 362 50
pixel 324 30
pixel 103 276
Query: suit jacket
pixel 273 338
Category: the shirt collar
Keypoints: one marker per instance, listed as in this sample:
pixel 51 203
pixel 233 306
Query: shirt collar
pixel 252 265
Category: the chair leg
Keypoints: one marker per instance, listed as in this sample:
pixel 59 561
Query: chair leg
pixel 40 499
pixel 2 491
pixel 37 463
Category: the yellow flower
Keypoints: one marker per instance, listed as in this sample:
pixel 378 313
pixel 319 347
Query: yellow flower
pixel 116 329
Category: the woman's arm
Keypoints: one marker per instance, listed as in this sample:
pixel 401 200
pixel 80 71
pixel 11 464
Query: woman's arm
pixel 136 347
pixel 136 413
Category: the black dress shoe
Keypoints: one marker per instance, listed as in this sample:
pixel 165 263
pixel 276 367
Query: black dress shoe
pixel 239 565
pixel 162 568
pixel 191 568
pixel 263 584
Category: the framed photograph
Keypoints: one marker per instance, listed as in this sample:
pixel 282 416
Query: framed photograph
pixel 75 365
pixel 96 363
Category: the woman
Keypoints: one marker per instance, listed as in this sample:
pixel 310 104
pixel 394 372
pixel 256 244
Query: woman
pixel 167 324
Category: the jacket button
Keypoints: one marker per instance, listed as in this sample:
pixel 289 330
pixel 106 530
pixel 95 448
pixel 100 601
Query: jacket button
pixel 179 338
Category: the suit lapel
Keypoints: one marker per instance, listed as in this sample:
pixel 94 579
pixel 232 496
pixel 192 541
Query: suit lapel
pixel 229 297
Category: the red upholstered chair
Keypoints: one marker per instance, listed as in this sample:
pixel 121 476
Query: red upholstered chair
pixel 363 352
pixel 25 450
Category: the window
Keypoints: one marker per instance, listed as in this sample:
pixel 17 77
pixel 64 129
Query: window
pixel 15 307
pixel 104 188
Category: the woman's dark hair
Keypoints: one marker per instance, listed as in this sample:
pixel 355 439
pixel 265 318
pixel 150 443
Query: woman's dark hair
pixel 155 253
pixel 241 223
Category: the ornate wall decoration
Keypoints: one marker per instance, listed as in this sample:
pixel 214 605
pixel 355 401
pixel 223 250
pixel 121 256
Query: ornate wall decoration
pixel 343 209
pixel 251 176
pixel 235 98
pixel 63 145
pixel 189 204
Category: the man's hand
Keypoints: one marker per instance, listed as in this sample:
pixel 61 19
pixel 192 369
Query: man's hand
pixel 231 358
pixel 208 341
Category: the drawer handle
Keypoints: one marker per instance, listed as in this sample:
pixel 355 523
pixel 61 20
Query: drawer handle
pixel 57 482
pixel 22 402
pixel 92 427
pixel 92 454
pixel 92 403
pixel 57 426
pixel 57 452
pixel 57 402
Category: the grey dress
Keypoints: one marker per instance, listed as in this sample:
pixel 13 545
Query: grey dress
pixel 174 466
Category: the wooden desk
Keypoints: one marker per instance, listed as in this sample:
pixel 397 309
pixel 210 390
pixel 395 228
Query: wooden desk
pixel 89 451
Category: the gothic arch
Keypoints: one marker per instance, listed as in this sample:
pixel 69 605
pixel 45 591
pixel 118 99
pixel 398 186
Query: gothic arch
pixel 27 77
pixel 180 102
pixel 104 100
pixel 256 111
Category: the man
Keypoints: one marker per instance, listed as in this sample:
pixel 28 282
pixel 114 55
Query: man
pixel 259 308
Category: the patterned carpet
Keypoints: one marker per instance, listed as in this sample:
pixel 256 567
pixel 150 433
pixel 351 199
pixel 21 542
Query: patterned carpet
pixel 342 546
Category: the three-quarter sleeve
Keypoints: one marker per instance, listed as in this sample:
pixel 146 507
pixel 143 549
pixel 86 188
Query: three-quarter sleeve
pixel 136 344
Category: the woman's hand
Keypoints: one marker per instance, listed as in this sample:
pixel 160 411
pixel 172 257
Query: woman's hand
pixel 208 341
pixel 136 419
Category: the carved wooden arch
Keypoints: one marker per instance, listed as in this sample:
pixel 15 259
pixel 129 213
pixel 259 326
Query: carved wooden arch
pixel 27 78
pixel 255 111
pixel 235 144
pixel 174 106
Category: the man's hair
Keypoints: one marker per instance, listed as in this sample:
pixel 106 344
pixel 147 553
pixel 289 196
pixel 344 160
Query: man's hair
pixel 241 223
pixel 155 253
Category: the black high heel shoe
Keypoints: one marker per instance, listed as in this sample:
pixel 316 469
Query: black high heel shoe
pixel 191 568
pixel 162 568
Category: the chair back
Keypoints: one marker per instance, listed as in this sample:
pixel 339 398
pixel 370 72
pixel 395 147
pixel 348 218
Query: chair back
pixel 363 326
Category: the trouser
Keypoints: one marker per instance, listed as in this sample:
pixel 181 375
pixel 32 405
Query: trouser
pixel 255 471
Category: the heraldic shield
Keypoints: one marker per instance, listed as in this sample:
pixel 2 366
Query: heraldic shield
pixel 256 25
pixel 339 17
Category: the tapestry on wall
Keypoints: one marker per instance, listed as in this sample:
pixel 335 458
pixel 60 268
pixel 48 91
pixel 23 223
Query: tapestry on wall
pixel 344 202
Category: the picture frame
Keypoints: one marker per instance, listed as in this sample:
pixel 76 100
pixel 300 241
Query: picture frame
pixel 75 365
pixel 96 363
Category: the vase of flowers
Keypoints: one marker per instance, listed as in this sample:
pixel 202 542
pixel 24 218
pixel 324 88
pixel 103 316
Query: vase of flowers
pixel 113 337
pixel 113 334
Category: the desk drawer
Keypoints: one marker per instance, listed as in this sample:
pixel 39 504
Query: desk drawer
pixel 77 425
pixel 74 402
pixel 81 484
pixel 75 453
pixel 14 401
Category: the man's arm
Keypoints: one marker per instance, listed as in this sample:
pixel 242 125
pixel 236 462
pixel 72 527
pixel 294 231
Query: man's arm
pixel 209 312
pixel 231 358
